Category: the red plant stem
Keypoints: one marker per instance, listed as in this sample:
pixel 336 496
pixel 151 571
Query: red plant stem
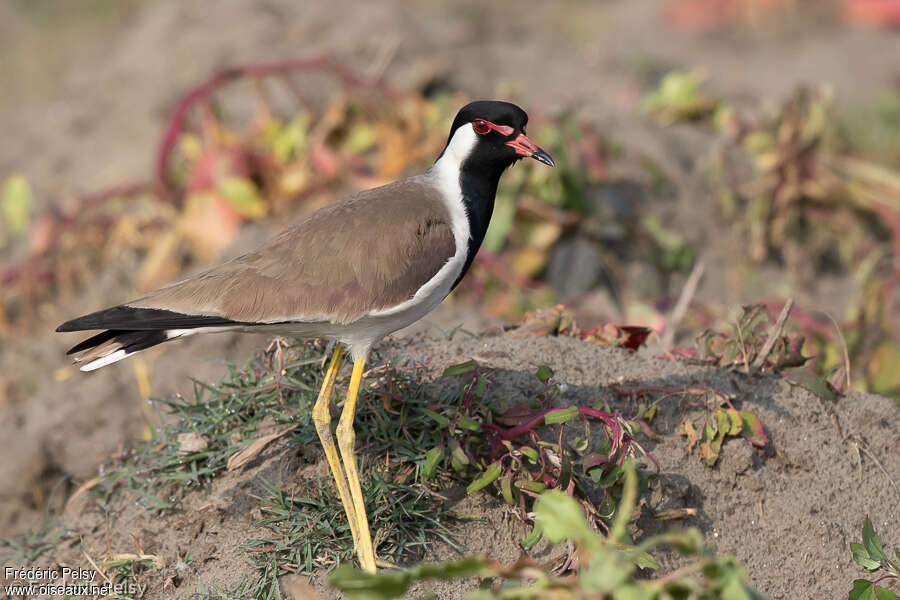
pixel 282 67
pixel 883 577
pixel 513 432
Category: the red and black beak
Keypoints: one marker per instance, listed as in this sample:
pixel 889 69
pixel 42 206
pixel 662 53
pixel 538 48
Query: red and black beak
pixel 525 147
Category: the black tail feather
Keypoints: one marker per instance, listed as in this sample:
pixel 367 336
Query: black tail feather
pixel 93 342
pixel 130 341
pixel 128 318
pixel 114 345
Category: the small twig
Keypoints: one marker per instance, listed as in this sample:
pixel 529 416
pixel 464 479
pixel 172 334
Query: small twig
pixel 861 445
pixel 684 300
pixel 835 422
pixel 858 460
pixel 774 335
pixel 96 568
pixel 682 572
pixel 383 59
pixel 840 334
pixel 740 333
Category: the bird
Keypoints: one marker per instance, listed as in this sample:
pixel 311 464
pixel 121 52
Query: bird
pixel 351 272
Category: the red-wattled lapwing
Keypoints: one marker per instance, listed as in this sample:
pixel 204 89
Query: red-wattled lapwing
pixel 352 272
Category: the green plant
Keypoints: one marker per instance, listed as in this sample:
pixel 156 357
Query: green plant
pixel 27 547
pixel 679 97
pixel 606 566
pixel 524 450
pixel 308 531
pixel 206 430
pixel 755 342
pixel 870 555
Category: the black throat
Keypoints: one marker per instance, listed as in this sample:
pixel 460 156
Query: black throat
pixel 479 188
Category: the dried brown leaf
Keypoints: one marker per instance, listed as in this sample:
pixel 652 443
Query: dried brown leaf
pixel 672 514
pixel 691 432
pixel 158 561
pixel 245 455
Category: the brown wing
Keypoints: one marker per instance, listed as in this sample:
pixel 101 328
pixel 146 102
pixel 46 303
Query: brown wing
pixel 372 251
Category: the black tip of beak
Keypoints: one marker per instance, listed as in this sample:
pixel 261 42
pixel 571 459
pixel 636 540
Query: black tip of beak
pixel 543 156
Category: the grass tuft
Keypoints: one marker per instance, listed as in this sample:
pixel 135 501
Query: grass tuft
pixel 26 548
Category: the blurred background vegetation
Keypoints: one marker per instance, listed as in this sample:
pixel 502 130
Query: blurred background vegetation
pixel 780 185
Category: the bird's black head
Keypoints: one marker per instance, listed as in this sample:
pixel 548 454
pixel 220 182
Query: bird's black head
pixel 489 135
pixel 486 137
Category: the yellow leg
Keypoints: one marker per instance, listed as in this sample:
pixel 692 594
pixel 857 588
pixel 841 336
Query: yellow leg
pixel 346 442
pixel 322 419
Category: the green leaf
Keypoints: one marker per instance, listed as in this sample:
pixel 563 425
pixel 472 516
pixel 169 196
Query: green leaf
pixel 470 424
pixel 533 538
pixel 561 416
pixel 15 204
pixel 544 373
pixel 560 517
pixel 814 384
pixel 358 585
pixel 736 422
pixel 884 377
pixel 734 588
pixel 530 485
pixel 862 590
pixel 387 585
pixel 466 567
pixel 637 556
pixel 862 558
pixel 530 452
pixel 289 141
pixel 459 368
pixel 438 418
pixel 885 594
pixel 459 460
pixel 242 195
pixel 360 138
pixel 506 488
pixel 488 477
pixel 607 571
pixel 480 387
pixel 753 429
pixel 752 317
pixel 626 504
pixel 608 478
pixel 432 459
pixel 873 542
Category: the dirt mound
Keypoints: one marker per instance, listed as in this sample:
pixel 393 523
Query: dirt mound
pixel 788 511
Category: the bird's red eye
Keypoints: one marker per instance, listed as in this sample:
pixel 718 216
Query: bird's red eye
pixel 481 126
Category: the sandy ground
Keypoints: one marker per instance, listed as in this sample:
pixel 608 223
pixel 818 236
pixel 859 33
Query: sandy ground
pixel 788 511
pixel 82 104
